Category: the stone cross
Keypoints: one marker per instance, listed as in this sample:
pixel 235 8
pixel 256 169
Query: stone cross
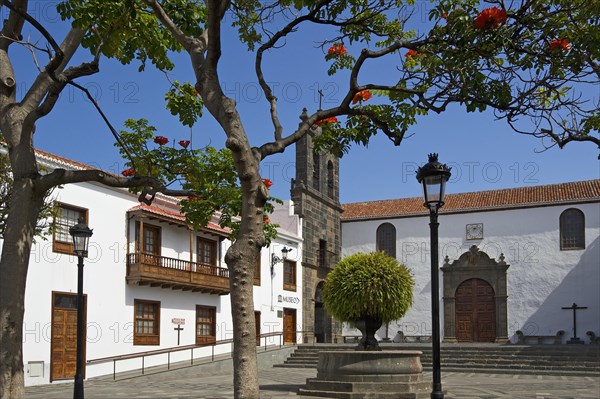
pixel 575 308
pixel 179 329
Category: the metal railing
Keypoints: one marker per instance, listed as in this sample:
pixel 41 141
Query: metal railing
pixel 168 351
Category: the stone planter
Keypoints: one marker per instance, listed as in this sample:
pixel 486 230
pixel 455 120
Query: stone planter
pixel 368 326
pixel 368 374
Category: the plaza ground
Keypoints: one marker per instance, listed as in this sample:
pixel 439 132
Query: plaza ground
pixel 204 382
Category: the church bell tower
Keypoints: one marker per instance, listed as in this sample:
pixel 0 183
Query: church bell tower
pixel 315 192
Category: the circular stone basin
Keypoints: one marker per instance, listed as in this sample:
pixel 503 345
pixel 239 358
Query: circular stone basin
pixel 342 365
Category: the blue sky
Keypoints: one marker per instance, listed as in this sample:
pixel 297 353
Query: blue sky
pixel 484 154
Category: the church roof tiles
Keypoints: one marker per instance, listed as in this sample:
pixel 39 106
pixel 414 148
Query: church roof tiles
pixel 510 198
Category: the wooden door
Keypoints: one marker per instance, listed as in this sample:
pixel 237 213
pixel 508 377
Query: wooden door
pixel 289 326
pixel 63 344
pixel 257 326
pixel 475 312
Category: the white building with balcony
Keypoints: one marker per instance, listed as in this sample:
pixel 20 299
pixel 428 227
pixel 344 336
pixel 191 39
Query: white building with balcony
pixel 151 282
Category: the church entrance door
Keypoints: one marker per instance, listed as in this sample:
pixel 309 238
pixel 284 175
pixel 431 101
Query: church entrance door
pixel 475 312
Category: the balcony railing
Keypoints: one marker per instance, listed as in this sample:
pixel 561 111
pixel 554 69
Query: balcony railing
pixel 160 271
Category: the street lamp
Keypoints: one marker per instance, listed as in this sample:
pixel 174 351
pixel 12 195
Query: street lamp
pixel 433 176
pixel 276 259
pixel 81 234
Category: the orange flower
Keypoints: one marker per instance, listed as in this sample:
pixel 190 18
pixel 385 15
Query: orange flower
pixel 331 119
pixel 559 44
pixel 161 140
pixel 491 17
pixel 337 49
pixel 266 219
pixel 268 183
pixel 128 172
pixel 413 53
pixel 361 96
pixel 445 15
pixel 184 143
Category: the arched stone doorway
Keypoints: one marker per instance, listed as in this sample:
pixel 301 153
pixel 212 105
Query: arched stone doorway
pixel 322 327
pixel 475 295
pixel 475 311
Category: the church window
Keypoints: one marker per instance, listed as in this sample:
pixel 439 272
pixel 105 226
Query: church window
pixel 386 239
pixel 330 179
pixel 322 254
pixel 316 171
pixel 572 229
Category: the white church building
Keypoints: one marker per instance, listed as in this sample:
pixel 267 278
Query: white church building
pixel 513 262
pixel 151 283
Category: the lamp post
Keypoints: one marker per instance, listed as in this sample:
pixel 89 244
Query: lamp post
pixel 276 259
pixel 433 176
pixel 81 234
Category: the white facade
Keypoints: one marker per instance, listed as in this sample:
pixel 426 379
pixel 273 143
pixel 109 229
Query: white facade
pixel 541 278
pixel 113 215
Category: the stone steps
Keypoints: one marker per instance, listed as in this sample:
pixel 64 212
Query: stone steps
pixel 535 359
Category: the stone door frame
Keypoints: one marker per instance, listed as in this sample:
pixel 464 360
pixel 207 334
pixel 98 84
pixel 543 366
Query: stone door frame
pixel 475 264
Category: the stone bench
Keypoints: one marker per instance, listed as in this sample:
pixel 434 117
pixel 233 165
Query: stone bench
pixel 413 338
pixel 523 339
pixel 594 339
pixel 349 339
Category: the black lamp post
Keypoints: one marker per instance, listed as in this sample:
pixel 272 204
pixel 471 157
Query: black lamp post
pixel 276 259
pixel 433 176
pixel 81 234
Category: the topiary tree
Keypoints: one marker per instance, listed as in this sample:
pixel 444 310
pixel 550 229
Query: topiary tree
pixel 368 290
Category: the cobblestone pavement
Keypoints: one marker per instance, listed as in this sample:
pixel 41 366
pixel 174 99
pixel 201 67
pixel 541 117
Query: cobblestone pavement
pixel 279 383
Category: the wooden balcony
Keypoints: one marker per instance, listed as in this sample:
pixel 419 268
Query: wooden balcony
pixel 160 271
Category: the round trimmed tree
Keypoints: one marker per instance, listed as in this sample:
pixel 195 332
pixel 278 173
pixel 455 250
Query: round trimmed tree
pixel 368 290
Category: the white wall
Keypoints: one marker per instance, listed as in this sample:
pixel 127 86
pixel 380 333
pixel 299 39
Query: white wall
pixel 266 297
pixel 541 277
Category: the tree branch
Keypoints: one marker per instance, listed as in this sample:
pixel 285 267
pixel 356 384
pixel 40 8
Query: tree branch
pixel 187 42
pixel 64 176
pixel 258 64
pixel 13 26
pixel 40 86
pixel 58 54
pixel 72 73
pixel 11 31
pixel 194 46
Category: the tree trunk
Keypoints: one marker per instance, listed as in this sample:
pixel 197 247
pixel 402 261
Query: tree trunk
pixel 241 260
pixel 241 256
pixel 25 206
pixel 241 265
